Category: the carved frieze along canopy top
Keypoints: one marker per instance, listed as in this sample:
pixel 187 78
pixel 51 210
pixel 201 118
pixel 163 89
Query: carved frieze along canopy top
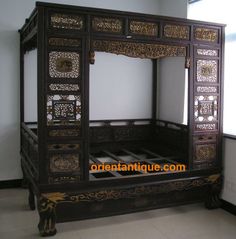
pixel 139 50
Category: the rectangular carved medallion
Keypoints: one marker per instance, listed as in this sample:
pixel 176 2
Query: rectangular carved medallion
pixel 206 127
pixel 102 24
pixel 206 34
pixel 176 31
pixel 143 28
pixel 207 52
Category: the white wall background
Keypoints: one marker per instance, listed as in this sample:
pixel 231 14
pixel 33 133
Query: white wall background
pixel 12 17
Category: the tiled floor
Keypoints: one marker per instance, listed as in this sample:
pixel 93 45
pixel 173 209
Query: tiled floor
pixel 185 222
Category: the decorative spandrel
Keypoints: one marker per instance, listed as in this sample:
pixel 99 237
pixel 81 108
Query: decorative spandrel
pixel 143 28
pixel 64 64
pixel 176 31
pixel 65 21
pixel 205 108
pixel 207 52
pixel 207 71
pixel 63 109
pixel 102 24
pixel 206 34
pixel 205 152
pixel 64 163
pixel 64 87
pixel 140 50
pixel 70 42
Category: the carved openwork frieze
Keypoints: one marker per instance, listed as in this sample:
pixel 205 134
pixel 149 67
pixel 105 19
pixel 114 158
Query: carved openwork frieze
pixel 205 108
pixel 140 50
pixel 65 21
pixel 206 34
pixel 64 64
pixel 64 133
pixel 62 163
pixel 56 41
pixel 176 31
pixel 143 28
pixel 102 24
pixel 205 152
pixel 207 52
pixel 207 71
pixel 64 87
pixel 63 109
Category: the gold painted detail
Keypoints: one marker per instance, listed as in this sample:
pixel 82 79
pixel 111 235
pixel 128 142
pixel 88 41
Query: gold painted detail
pixel 62 163
pixel 207 71
pixel 143 28
pixel 64 87
pixel 63 146
pixel 205 152
pixel 115 194
pixel 64 64
pixel 65 21
pixel 206 34
pixel 64 132
pixel 56 41
pixel 176 31
pixel 140 50
pixel 101 24
pixel 207 52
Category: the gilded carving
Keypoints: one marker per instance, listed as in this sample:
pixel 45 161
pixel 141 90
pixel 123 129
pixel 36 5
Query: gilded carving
pixel 64 87
pixel 207 71
pixel 206 34
pixel 143 28
pixel 207 52
pixel 56 41
pixel 141 50
pixel 206 89
pixel 64 64
pixel 63 163
pixel 65 21
pixel 176 31
pixel 205 152
pixel 101 24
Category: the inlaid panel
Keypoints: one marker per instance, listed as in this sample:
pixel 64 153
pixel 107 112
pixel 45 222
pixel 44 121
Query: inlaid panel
pixel 64 64
pixel 207 89
pixel 64 132
pixel 205 152
pixel 62 163
pixel 205 108
pixel 207 71
pixel 64 87
pixel 206 127
pixel 104 24
pixel 206 34
pixel 56 41
pixel 63 109
pixel 176 31
pixel 143 28
pixel 207 52
pixel 66 21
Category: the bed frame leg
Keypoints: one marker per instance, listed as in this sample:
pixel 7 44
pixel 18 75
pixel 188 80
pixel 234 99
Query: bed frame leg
pixel 47 215
pixel 31 199
pixel 213 198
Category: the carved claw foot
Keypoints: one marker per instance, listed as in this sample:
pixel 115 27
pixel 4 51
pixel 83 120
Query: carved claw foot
pixel 47 214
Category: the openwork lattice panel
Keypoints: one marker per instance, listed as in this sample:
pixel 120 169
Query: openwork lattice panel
pixel 206 127
pixel 207 89
pixel 65 21
pixel 205 108
pixel 176 31
pixel 63 109
pixel 64 87
pixel 62 163
pixel 207 52
pixel 207 71
pixel 56 41
pixel 64 64
pixel 206 34
pixel 102 24
pixel 143 28
pixel 205 152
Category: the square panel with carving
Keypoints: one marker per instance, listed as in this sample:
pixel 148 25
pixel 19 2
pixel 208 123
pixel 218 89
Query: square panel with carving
pixel 207 71
pixel 205 108
pixel 205 152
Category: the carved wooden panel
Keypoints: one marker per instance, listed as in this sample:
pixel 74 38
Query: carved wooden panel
pixel 64 132
pixel 70 42
pixel 64 64
pixel 206 34
pixel 143 28
pixel 141 50
pixel 63 109
pixel 206 127
pixel 63 179
pixel 61 163
pixel 176 31
pixel 207 52
pixel 53 147
pixel 66 21
pixel 207 89
pixel 205 152
pixel 105 24
pixel 64 87
pixel 207 71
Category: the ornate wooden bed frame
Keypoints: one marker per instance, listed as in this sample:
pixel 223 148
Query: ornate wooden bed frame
pixel 57 150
